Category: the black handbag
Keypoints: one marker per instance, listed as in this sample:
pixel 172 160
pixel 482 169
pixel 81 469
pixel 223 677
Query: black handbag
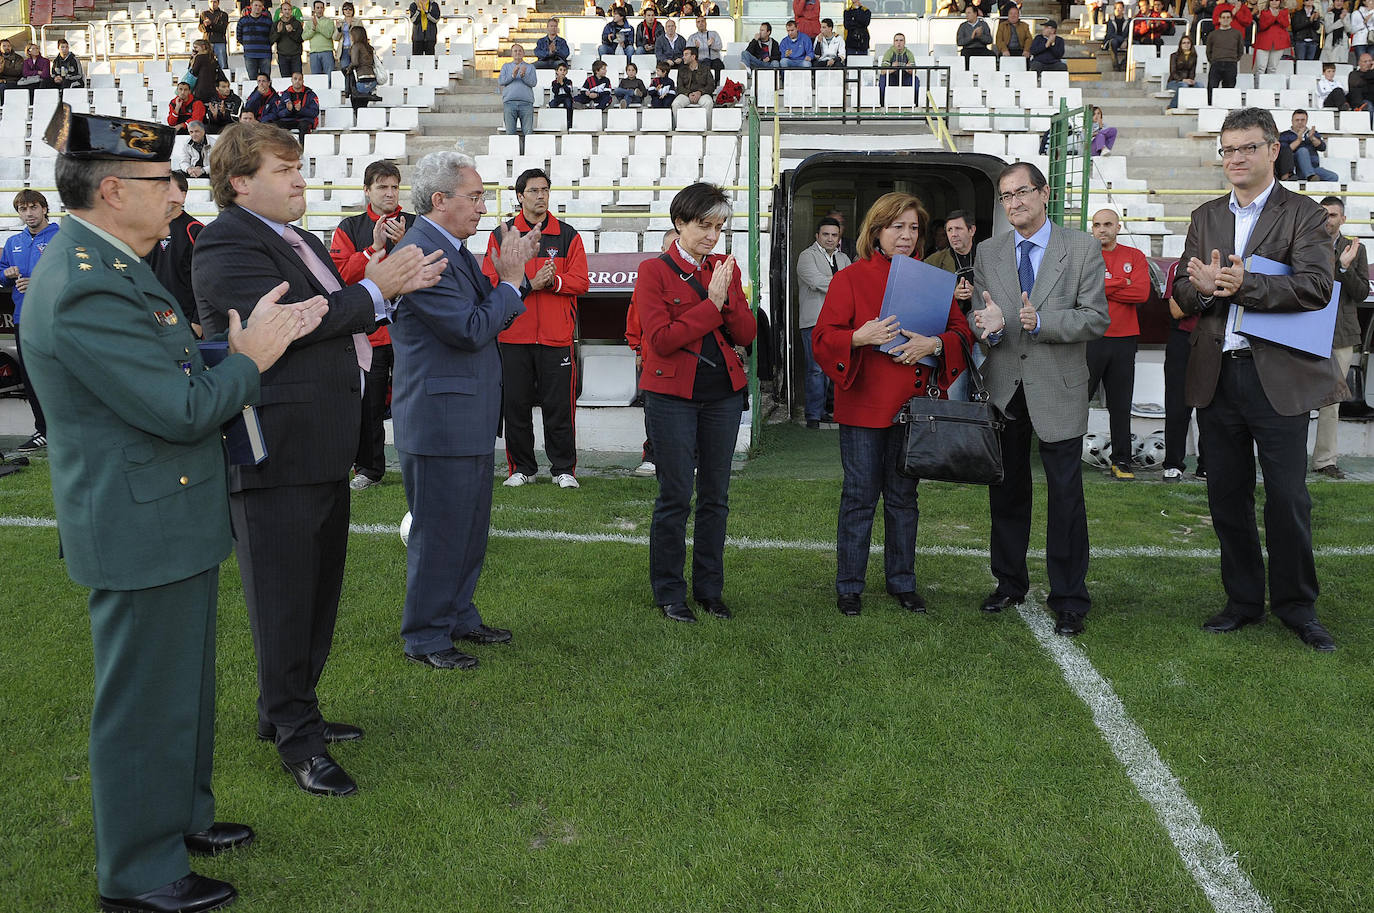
pixel 953 441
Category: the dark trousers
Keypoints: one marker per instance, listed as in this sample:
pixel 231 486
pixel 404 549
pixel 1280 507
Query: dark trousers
pixel 297 125
pixel 291 542
pixel 869 458
pixel 900 79
pixel 543 376
pixel 688 435
pixel 1111 360
pixel 288 64
pixel 423 46
pixel 566 102
pixel 1177 413
pixel 40 424
pixel 450 508
pixel 371 457
pixel 1239 420
pixel 1066 533
pixel 152 729
pixel 257 66
pixel 1220 73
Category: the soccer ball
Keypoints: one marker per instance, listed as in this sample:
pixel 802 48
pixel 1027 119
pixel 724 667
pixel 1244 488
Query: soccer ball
pixel 405 528
pixel 1097 450
pixel 1151 453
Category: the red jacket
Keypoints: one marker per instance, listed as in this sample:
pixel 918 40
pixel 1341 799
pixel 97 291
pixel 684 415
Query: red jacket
pixel 1128 287
pixel 808 16
pixel 1240 14
pixel 178 114
pixel 870 386
pixel 351 250
pixel 550 317
pixel 675 319
pixel 1274 32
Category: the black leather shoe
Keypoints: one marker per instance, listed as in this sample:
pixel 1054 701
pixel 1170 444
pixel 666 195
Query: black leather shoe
pixel 192 894
pixel 849 604
pixel 321 776
pixel 1226 622
pixel 1069 624
pixel 444 659
pixel 912 602
pixel 716 607
pixel 1315 635
pixel 485 635
pixel 996 602
pixel 333 732
pixel 678 611
pixel 221 837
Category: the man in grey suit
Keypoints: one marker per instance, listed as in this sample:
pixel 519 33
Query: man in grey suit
pixel 1037 373
pixel 815 267
pixel 446 409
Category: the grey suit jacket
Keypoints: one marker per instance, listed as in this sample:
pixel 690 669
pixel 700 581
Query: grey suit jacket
pixel 813 281
pixel 1071 297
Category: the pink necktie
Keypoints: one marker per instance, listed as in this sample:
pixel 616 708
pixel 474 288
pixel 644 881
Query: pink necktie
pixel 325 277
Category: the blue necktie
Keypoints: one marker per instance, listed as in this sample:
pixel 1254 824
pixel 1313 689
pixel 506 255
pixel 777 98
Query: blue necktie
pixel 1025 272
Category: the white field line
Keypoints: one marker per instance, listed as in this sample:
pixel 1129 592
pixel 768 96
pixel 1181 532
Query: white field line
pixel 1212 865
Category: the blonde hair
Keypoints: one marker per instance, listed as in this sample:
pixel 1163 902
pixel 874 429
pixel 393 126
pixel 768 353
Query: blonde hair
pixel 239 152
pixel 882 214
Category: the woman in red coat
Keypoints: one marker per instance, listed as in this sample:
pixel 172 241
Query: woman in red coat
pixel 1273 37
pixel 870 389
pixel 693 313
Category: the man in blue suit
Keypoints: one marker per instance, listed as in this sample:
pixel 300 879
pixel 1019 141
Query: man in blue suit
pixel 446 409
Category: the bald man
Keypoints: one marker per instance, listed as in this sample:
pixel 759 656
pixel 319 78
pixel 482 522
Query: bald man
pixel 1111 359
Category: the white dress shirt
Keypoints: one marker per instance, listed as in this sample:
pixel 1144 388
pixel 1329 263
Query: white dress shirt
pixel 1245 217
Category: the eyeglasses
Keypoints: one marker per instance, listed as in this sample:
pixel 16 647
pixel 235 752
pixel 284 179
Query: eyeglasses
pixel 1006 199
pixel 1245 151
pixel 475 197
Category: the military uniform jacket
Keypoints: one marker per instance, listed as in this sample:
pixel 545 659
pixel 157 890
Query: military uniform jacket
pixel 139 473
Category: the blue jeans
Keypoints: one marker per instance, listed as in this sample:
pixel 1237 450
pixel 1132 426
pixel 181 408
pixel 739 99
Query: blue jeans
pixel 753 63
pixel 794 62
pixel 522 111
pixel 610 50
pixel 1175 85
pixel 626 95
pixel 1307 165
pixel 815 380
pixel 1306 50
pixel 257 66
pixel 688 435
pixel 900 79
pixel 288 64
pixel 321 61
pixel 869 457
pixel 221 54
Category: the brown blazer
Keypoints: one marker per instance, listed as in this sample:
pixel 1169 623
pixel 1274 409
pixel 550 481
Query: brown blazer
pixel 1003 41
pixel 1354 290
pixel 1290 229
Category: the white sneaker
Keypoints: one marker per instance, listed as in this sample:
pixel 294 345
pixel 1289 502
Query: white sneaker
pixel 646 469
pixel 361 482
pixel 1173 475
pixel 566 480
pixel 517 479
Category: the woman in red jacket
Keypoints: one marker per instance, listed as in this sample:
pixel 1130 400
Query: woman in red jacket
pixel 693 313
pixel 1273 37
pixel 870 389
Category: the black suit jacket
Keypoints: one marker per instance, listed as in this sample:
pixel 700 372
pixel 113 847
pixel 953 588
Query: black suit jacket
pixel 310 408
pixel 1290 229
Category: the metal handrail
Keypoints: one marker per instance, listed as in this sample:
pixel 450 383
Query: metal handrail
pixel 19 26
pixel 1130 38
pixel 88 27
pixel 851 76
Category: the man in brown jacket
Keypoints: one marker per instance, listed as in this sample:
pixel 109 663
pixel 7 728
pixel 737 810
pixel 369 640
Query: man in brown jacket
pixel 1013 36
pixel 1352 272
pixel 1250 393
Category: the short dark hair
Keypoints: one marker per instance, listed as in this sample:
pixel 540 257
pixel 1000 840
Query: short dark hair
pixel 827 221
pixel 1033 174
pixel 631 64
pixel 695 53
pixel 791 22
pixel 962 215
pixel 697 202
pixel 828 21
pixel 1334 201
pixel 181 178
pixel 767 25
pixel 529 175
pixel 598 66
pixel 1299 110
pixel 1245 118
pixel 382 168
pixel 27 197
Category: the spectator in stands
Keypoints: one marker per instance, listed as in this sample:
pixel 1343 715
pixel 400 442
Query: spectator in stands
pixel 1352 272
pixel 214 28
pixel 424 26
pixel 808 16
pixel 1307 25
pixel 319 34
pixel 693 312
pixel 662 89
pixel 193 159
pixel 254 34
pixel 1360 86
pixel 517 81
pixel 344 33
pixel 1104 137
pixel 796 48
pixel 1013 35
pixel 261 100
pixel 66 68
pixel 1153 26
pixel 36 72
pixel 596 89
pixel 696 85
pixel 1111 359
pixel 1242 17
pixel 648 32
pixel 247 117
pixel 627 9
pixel 1182 68
pixel 551 50
pixel 361 72
pixel 223 109
pixel 687 10
pixel 1202 19
pixel 204 70
pixel 896 68
pixel 358 240
pixel 1118 34
pixel 1224 47
pixel 708 8
pixel 170 259
pixel 974 38
pixel 1304 143
pixel 856 20
pixel 871 387
pixel 297 108
pixel 1362 28
pixel 617 36
pixel 1047 49
pixel 11 65
pixel 288 32
pixel 829 47
pixel 670 44
pixel 709 47
pixel 1004 7
pixel 183 109
pixel 982 7
pixel 1272 37
pixel 1336 33
pixel 1330 93
pixel 631 89
pixel 816 266
pixel 561 91
pixel 17 261
pixel 762 51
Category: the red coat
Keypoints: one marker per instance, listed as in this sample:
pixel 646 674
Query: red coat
pixel 1274 33
pixel 870 386
pixel 675 319
pixel 808 16
pixel 178 114
pixel 550 317
pixel 1240 14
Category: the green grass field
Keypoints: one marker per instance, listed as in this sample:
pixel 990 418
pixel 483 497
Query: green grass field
pixel 790 759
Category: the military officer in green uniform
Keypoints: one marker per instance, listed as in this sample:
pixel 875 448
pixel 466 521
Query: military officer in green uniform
pixel 140 484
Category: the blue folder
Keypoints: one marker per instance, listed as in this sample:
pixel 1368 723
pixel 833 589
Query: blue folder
pixel 243 433
pixel 920 296
pixel 1306 331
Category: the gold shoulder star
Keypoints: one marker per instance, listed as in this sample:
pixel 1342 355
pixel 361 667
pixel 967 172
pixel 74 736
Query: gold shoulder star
pixel 119 264
pixel 83 256
pixel 83 266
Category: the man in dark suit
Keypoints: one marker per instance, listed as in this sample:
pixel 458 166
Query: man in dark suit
pixel 1037 373
pixel 446 408
pixel 1250 393
pixel 291 512
pixel 1352 272
pixel 141 492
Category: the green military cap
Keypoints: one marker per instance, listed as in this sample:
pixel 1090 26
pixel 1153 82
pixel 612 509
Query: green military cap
pixel 92 136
